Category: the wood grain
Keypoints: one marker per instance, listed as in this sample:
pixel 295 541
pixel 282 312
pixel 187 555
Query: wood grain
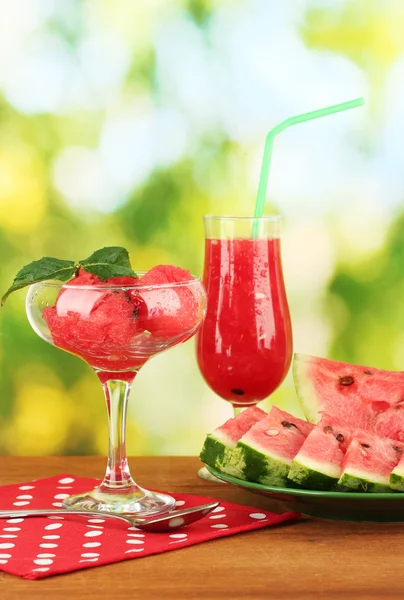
pixel 306 560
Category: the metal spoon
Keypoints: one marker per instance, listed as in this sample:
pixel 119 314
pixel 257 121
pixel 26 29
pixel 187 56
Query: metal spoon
pixel 165 522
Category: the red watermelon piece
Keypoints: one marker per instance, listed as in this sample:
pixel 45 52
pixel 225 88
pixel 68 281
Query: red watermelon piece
pixel 317 465
pixel 368 462
pixel 96 325
pixel 266 451
pixel 218 448
pixel 364 397
pixel 171 311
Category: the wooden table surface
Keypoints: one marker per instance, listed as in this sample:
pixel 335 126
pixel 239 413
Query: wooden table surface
pixel 305 560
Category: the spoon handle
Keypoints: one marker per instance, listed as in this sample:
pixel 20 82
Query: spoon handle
pixel 49 512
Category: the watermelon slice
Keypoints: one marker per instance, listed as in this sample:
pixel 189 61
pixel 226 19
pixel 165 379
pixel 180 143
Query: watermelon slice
pixel 218 446
pixel 368 462
pixel 367 398
pixel 264 454
pixel 317 465
pixel 369 458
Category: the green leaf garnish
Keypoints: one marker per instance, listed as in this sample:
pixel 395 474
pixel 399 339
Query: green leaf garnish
pixel 111 261
pixel 41 270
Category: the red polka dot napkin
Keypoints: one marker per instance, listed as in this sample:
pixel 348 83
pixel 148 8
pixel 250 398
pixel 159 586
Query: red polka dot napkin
pixel 35 547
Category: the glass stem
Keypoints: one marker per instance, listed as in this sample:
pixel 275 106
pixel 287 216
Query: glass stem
pixel 118 473
pixel 237 410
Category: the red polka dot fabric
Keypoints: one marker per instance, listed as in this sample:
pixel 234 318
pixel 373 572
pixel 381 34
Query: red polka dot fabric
pixel 36 547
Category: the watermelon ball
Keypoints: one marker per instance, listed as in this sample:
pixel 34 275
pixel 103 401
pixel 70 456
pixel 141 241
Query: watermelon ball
pixel 95 324
pixel 168 312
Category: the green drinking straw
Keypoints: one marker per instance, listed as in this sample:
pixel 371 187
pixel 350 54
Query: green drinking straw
pixel 266 159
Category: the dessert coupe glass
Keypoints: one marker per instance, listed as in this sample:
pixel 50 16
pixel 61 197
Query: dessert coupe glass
pixel 244 346
pixel 116 329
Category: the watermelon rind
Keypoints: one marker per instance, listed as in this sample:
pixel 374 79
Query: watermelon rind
pixel 219 447
pixel 304 388
pixel 216 450
pixel 313 475
pixel 234 463
pixel 261 468
pixel 351 481
pixel 397 477
pixel 397 482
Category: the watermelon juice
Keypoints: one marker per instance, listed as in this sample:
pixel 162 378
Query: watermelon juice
pixel 245 343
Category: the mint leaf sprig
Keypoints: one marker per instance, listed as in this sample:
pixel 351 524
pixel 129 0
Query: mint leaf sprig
pixel 111 261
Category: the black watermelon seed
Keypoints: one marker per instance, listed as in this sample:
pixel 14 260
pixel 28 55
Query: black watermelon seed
pixel 288 425
pixel 237 391
pixel 348 380
pixel 367 372
pixel 136 312
pixel 340 438
pixel 365 445
pixel 327 429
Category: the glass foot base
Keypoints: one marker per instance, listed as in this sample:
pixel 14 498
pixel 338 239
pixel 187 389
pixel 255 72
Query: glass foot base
pixel 139 502
pixel 203 473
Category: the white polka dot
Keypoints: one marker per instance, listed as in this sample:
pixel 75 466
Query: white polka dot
pixel 176 522
pixel 92 533
pixel 12 529
pixel 24 497
pixel 258 516
pixel 61 496
pixel 66 480
pixel 89 554
pixel 42 570
pixel 134 550
pixel 5 555
pixel 180 503
pixel 3 562
pixel 45 555
pixel 89 560
pixel 15 520
pixel 57 504
pixel 135 541
pixel 21 503
pixel 26 487
pixel 48 545
pixel 50 537
pixel 96 520
pixel 218 509
pixel 7 545
pixel 220 526
pixel 54 526
pixel 178 536
pixel 96 526
pixel 64 487
pixel 55 517
pixel 141 535
pixel 8 536
pixel 91 544
pixel 217 517
pixel 133 529
pixel 43 561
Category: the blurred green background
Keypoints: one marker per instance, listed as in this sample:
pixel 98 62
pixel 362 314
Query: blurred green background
pixel 122 122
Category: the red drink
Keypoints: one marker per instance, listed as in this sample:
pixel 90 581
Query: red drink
pixel 245 342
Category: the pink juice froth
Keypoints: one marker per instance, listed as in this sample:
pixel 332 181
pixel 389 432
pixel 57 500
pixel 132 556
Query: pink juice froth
pixel 117 329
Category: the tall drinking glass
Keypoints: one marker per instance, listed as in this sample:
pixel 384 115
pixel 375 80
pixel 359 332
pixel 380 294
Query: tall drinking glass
pixel 244 346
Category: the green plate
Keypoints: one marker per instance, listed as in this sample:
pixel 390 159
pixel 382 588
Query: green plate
pixel 342 506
